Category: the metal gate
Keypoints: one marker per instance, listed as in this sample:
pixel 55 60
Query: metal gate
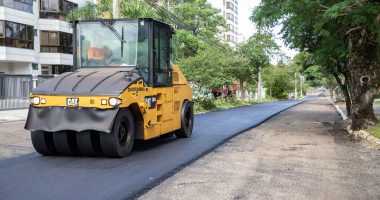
pixel 15 90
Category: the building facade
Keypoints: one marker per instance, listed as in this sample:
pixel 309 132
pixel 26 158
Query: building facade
pixel 230 11
pixel 35 37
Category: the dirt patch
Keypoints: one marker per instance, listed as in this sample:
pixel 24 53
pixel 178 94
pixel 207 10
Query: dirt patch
pixel 303 153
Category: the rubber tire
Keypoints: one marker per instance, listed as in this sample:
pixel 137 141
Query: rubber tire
pixel 109 141
pixel 43 142
pixel 186 129
pixel 88 143
pixel 65 143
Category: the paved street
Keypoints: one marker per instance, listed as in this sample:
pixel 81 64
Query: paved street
pixel 33 176
pixel 303 153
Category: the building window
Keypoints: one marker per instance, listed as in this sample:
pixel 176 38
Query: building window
pixel 22 5
pixel 34 66
pixel 229 5
pixel 231 17
pixel 56 9
pixel 16 35
pixel 45 70
pixel 230 27
pixel 55 69
pixel 56 42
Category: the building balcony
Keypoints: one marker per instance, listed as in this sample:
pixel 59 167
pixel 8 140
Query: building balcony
pixel 53 25
pixel 17 54
pixel 9 14
pixel 55 59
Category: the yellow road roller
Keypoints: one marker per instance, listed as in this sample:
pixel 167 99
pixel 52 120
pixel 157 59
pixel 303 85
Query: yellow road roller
pixel 124 88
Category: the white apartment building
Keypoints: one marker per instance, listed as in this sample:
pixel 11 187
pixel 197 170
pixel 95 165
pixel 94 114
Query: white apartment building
pixel 230 12
pixel 34 36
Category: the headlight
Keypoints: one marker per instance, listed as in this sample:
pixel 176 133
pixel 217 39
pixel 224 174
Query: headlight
pixel 43 101
pixel 114 101
pixel 35 100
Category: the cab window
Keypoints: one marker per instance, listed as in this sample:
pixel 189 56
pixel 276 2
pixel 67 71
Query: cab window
pixel 161 56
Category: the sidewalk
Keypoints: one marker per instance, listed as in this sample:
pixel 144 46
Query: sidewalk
pixel 13 115
pixel 303 153
pixel 14 139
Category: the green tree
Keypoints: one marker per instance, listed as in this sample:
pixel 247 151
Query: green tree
pixel 203 21
pixel 211 67
pixel 343 36
pixel 103 10
pixel 278 80
pixel 259 49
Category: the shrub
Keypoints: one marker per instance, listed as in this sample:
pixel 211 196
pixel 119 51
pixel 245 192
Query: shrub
pixel 203 104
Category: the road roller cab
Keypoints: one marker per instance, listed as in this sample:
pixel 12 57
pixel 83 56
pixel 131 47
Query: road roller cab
pixel 124 88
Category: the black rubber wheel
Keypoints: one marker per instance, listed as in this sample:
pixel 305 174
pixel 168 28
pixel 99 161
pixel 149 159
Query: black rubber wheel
pixel 119 142
pixel 187 121
pixel 43 142
pixel 89 143
pixel 65 143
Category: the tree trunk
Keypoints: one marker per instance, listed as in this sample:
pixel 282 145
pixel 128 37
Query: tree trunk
pixel 344 87
pixel 364 70
pixel 270 91
pixel 348 101
pixel 242 91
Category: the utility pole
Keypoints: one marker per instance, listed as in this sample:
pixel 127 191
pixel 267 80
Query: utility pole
pixel 116 9
pixel 301 83
pixel 259 86
pixel 295 85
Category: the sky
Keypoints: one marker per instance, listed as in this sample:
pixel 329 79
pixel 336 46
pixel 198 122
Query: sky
pixel 247 28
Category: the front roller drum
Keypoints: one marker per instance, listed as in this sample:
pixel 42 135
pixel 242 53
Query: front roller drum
pixel 43 142
pixel 89 143
pixel 65 143
pixel 119 142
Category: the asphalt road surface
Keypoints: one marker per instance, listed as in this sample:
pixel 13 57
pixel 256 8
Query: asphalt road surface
pixel 34 176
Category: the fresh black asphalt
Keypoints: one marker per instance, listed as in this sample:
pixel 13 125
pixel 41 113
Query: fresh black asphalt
pixel 34 176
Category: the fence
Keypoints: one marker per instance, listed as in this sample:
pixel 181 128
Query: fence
pixel 15 90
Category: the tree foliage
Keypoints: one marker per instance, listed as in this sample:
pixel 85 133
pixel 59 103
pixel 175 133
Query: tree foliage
pixel 204 21
pixel 211 67
pixel 343 38
pixel 103 10
pixel 259 49
pixel 278 80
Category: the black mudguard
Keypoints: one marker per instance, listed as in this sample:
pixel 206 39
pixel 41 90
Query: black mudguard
pixel 52 119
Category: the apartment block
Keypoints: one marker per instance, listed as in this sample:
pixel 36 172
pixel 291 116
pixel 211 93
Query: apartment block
pixel 230 11
pixel 35 37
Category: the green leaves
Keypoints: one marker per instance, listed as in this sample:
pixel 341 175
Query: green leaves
pixel 278 80
pixel 211 67
pixel 85 12
pixel 137 9
pixel 204 20
pixel 258 50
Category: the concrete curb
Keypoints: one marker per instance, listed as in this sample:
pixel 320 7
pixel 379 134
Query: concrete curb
pixel 341 113
pixel 362 134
